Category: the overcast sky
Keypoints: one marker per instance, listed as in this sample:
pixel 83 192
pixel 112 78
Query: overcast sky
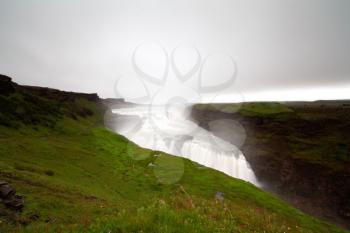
pixel 283 49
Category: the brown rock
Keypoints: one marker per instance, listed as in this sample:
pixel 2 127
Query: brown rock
pixel 6 190
pixel 9 198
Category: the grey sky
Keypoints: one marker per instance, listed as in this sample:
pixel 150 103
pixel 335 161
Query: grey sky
pixel 85 45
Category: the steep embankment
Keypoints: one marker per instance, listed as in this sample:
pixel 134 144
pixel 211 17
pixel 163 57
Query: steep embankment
pixel 298 150
pixel 76 176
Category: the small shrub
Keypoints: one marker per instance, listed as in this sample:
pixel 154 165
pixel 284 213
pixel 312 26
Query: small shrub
pixel 49 173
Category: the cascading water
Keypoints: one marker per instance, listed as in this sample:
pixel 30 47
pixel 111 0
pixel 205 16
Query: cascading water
pixel 158 128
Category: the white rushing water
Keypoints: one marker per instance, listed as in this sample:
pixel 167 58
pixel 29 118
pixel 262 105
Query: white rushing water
pixel 169 130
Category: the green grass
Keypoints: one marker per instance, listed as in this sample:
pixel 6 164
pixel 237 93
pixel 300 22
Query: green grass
pixel 96 185
pixel 265 108
pixel 249 109
pixel 328 150
pixel 77 176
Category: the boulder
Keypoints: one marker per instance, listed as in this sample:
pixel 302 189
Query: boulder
pixel 6 190
pixel 9 198
pixel 15 202
pixel 219 196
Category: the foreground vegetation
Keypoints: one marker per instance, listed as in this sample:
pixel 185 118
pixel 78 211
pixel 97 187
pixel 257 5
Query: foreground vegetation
pixel 77 176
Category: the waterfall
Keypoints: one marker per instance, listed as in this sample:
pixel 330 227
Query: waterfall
pixel 158 129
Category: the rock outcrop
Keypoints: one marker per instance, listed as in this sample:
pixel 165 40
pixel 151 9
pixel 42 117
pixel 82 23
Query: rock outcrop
pixel 9 197
pixel 6 85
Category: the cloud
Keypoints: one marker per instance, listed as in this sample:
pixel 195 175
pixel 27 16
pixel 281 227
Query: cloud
pixel 85 45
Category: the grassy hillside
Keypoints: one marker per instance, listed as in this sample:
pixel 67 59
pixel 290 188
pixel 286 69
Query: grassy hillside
pixel 77 176
pixel 247 109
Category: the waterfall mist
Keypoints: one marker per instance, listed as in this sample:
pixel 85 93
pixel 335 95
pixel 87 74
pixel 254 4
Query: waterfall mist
pixel 170 130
